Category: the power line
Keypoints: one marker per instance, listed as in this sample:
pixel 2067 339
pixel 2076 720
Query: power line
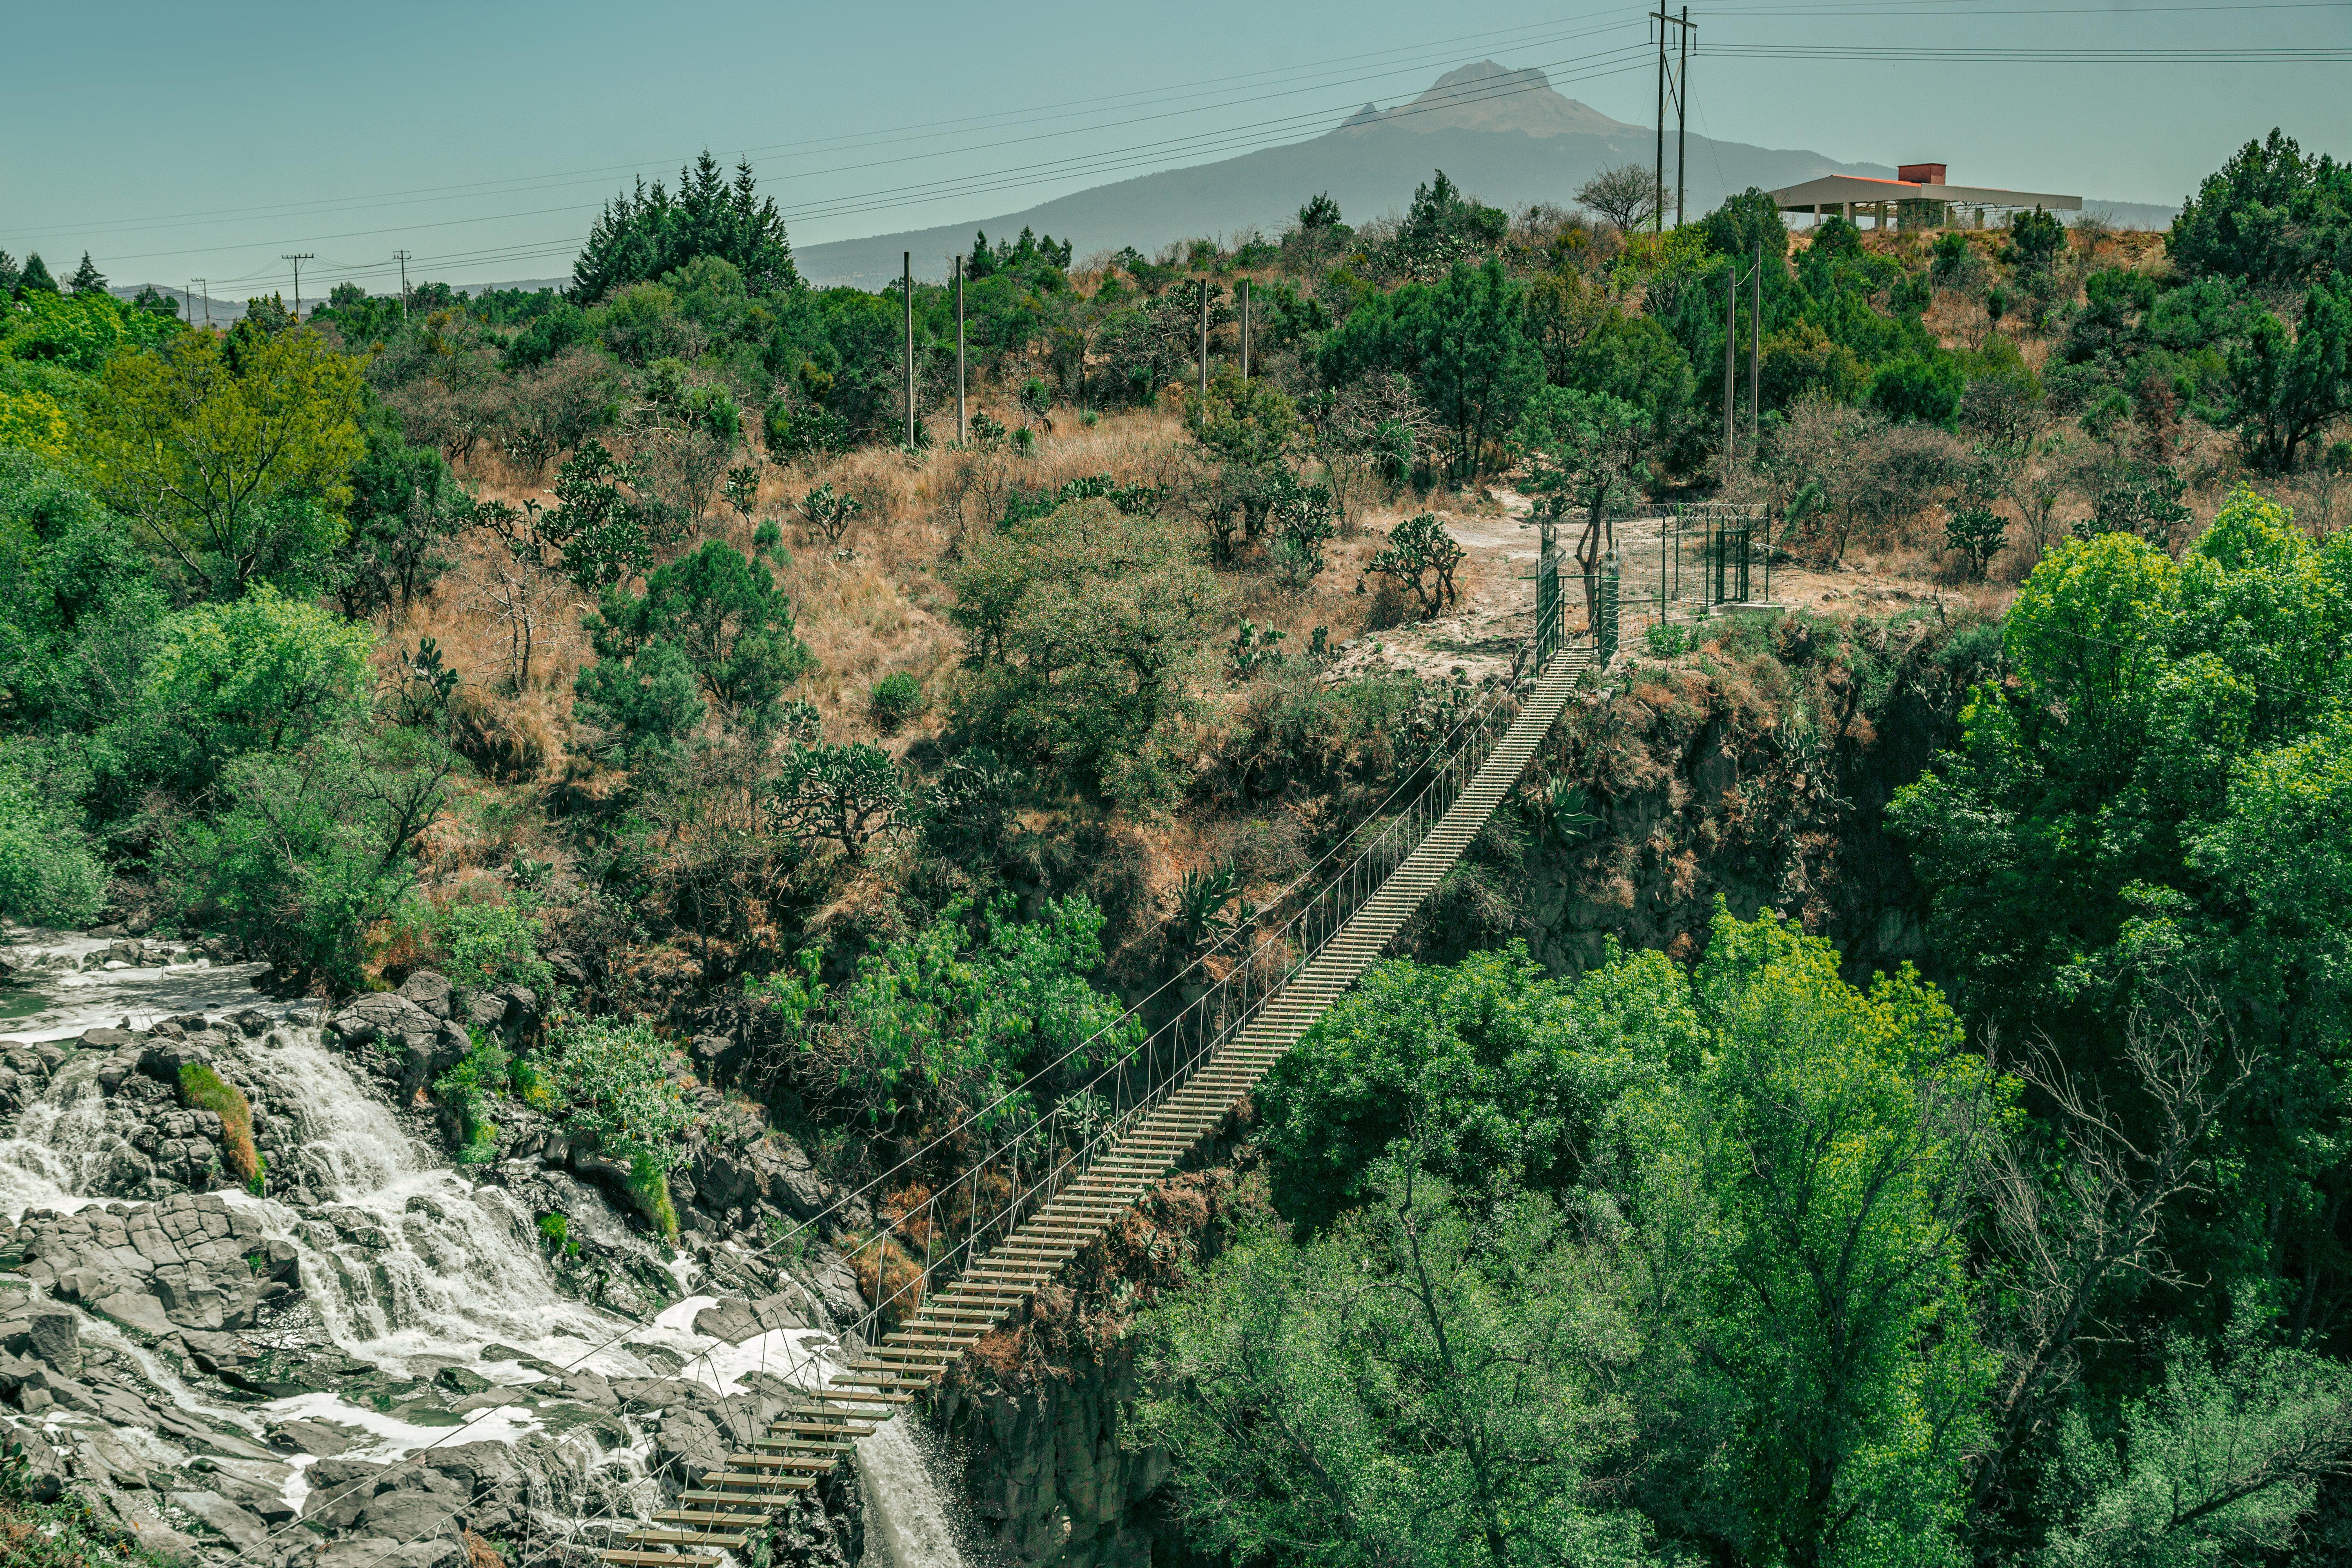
pixel 1546 35
pixel 1275 132
pixel 2046 55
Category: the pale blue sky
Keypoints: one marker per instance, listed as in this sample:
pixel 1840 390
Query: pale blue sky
pixel 175 142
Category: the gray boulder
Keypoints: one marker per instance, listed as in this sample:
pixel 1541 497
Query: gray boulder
pixel 398 1042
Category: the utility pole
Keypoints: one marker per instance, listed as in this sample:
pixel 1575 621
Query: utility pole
pixel 1682 119
pixel 1204 339
pixel 1756 356
pixel 959 283
pixel 1731 347
pixel 1245 330
pixel 906 261
pixel 188 299
pixel 297 259
pixel 1673 82
pixel 205 287
pixel 402 257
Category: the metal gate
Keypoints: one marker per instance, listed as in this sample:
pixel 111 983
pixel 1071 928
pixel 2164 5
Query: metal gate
pixel 1682 561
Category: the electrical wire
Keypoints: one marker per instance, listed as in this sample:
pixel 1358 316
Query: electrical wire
pixel 1414 68
pixel 1282 132
pixel 787 149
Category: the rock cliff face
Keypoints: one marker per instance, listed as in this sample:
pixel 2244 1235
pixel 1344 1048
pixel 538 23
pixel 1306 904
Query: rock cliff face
pixel 1041 1412
pixel 1757 767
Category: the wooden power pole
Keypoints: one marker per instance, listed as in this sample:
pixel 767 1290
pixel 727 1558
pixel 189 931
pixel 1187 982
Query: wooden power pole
pixel 906 261
pixel 1204 338
pixel 1674 83
pixel 959 287
pixel 1245 330
pixel 297 259
pixel 1756 356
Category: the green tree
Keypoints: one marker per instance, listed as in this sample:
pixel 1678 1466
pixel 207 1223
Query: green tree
pixel 311 846
pixel 2269 216
pixel 49 875
pixel 1839 1136
pixel 1083 631
pixel 406 507
pixel 649 702
pixel 1253 423
pixel 644 234
pixel 233 453
pixel 35 278
pixel 616 1090
pixel 2285 387
pixel 1924 387
pixel 1428 1383
pixel 87 279
pixel 2136 809
pixel 1463 343
pixel 602 531
pixel 725 615
pixel 1442 228
pixel 952 1019
pixel 1493 1075
pixel 2218 1463
pixel 851 795
pixel 262 673
pixel 1420 557
pixel 1583 452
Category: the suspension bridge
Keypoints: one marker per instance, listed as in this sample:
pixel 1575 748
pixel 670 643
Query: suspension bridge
pixel 950 1271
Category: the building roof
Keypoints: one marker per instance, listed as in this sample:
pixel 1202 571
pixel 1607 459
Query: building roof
pixel 1836 190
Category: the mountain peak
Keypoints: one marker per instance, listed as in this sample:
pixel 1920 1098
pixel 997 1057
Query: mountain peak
pixel 1487 95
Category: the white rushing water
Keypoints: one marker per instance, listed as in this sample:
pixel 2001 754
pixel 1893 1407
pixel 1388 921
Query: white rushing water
pixel 408 1264
pixel 907 1520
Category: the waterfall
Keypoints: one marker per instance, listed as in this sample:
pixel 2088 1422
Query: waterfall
pixel 907 1520
pixel 49 1156
pixel 403 1260
pixel 401 1255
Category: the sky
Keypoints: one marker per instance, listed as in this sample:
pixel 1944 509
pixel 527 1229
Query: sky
pixel 483 137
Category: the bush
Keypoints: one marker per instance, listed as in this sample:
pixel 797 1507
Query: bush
pixel 489 945
pixel 48 874
pixel 895 698
pixel 466 1088
pixel 201 1088
pixel 612 1090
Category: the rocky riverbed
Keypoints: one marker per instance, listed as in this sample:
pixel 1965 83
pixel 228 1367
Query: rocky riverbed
pixel 361 1354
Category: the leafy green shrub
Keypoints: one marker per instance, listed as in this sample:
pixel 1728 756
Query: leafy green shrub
pixel 266 673
pixel 556 1231
pixel 1666 640
pixel 949 1019
pixel 313 849
pixel 1976 532
pixel 613 1090
pixel 466 1087
pixel 895 698
pixel 48 874
pixel 489 945
pixel 201 1088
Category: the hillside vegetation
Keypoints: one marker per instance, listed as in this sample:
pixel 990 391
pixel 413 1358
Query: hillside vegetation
pixel 618 644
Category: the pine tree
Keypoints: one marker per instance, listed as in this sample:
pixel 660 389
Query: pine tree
pixel 10 276
pixel 87 277
pixel 649 233
pixel 37 276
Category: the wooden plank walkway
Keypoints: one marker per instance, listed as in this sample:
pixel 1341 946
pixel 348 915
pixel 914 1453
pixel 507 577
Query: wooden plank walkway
pixel 808 1439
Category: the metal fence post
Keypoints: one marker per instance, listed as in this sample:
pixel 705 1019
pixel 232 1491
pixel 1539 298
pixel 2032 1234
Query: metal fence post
pixel 1605 633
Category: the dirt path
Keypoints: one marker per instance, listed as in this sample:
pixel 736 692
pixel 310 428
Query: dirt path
pixel 1496 611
